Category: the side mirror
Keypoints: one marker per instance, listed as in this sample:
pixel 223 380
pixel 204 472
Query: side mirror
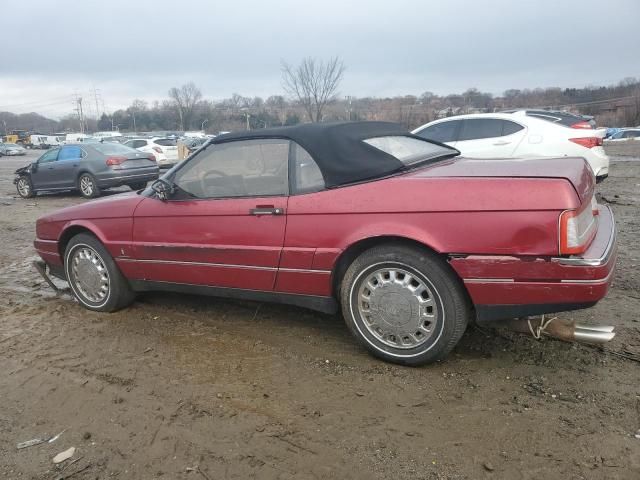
pixel 34 166
pixel 162 188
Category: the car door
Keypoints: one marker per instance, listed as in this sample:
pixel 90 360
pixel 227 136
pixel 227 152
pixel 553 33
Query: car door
pixel 489 137
pixel 43 175
pixel 224 225
pixel 446 131
pixel 66 167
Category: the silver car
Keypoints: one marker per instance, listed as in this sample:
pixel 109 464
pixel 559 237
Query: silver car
pixel 88 168
pixel 10 149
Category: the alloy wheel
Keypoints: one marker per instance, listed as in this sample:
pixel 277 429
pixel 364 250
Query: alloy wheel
pixel 24 187
pixel 86 185
pixel 89 275
pixel 397 307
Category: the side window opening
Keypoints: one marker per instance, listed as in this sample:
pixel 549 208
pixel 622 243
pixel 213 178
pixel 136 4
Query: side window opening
pixel 246 168
pixel 307 174
pixel 50 156
pixel 70 153
pixel 442 132
pixel 479 128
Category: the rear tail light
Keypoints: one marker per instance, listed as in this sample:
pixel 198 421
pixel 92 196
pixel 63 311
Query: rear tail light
pixel 588 142
pixel 113 161
pixel 577 228
pixel 152 157
pixel 157 149
pixel 585 125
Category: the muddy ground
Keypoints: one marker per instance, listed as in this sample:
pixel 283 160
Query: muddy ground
pixel 181 387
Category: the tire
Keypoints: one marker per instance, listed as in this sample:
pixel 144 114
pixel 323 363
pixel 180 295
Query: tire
pixel 93 276
pixel 25 187
pixel 88 186
pixel 404 304
pixel 138 186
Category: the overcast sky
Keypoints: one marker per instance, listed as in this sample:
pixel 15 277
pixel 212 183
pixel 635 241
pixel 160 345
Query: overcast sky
pixel 139 49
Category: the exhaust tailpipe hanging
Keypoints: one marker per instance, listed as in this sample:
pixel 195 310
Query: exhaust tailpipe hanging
pixel 563 330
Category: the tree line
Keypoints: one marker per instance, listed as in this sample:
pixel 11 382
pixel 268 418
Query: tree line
pixel 311 95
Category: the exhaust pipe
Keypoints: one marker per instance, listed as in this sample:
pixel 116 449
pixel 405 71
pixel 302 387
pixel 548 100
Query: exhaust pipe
pixel 592 336
pixel 562 330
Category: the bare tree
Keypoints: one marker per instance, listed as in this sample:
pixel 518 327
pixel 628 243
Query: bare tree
pixel 314 83
pixel 185 100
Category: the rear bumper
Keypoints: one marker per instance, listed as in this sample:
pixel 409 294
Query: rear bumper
pixel 508 287
pixel 122 177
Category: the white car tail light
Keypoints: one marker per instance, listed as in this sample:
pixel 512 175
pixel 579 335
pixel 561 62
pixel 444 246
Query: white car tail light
pixel 578 227
pixel 588 142
pixel 584 125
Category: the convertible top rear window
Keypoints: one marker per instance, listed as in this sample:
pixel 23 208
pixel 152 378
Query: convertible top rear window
pixel 408 150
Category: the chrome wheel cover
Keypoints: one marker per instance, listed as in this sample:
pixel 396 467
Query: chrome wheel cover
pixel 397 307
pixel 86 185
pixel 23 187
pixel 89 275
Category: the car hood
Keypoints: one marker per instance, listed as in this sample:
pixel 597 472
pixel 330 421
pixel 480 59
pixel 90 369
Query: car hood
pixel 114 206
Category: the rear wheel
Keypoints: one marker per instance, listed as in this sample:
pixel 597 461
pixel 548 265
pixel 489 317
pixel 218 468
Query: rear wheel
pixel 93 276
pixel 404 304
pixel 138 186
pixel 88 186
pixel 25 188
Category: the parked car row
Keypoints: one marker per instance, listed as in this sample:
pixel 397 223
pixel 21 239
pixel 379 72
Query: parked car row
pixel 522 134
pixel 409 239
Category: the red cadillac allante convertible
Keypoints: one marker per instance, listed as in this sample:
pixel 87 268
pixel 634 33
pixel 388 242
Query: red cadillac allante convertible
pixel 410 240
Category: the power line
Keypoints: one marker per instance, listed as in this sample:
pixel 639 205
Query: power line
pixel 55 100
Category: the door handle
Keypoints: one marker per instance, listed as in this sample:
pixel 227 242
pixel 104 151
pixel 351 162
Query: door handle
pixel 501 143
pixel 266 210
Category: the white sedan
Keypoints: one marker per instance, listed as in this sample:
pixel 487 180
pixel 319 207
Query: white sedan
pixel 164 149
pixel 520 134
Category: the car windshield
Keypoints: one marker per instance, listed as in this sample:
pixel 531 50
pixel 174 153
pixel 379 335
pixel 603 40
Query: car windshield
pixel 410 150
pixel 112 148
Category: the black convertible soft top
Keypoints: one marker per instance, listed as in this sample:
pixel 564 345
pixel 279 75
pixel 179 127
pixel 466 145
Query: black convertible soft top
pixel 337 148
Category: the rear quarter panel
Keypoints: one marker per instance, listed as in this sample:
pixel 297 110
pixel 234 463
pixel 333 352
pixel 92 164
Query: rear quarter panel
pixel 486 216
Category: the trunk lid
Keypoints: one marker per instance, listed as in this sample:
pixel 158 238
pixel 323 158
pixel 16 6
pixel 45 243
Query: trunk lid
pixel 574 169
pixel 138 160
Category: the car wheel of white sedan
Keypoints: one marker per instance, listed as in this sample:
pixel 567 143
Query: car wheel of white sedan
pixel 93 276
pixel 404 304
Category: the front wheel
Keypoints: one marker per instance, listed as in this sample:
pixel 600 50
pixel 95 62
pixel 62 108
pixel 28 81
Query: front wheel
pixel 93 276
pixel 24 187
pixel 404 304
pixel 88 186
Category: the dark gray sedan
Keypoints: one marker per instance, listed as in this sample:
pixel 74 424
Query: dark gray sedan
pixel 88 168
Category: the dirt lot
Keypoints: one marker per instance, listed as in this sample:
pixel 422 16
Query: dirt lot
pixel 245 390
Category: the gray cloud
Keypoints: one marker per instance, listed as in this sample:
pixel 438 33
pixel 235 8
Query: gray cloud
pixel 130 49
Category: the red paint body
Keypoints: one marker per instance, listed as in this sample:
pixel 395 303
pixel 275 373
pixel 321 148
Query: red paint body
pixel 496 220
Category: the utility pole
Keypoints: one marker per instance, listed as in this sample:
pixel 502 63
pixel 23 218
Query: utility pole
pixel 80 112
pixel 349 97
pixel 248 126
